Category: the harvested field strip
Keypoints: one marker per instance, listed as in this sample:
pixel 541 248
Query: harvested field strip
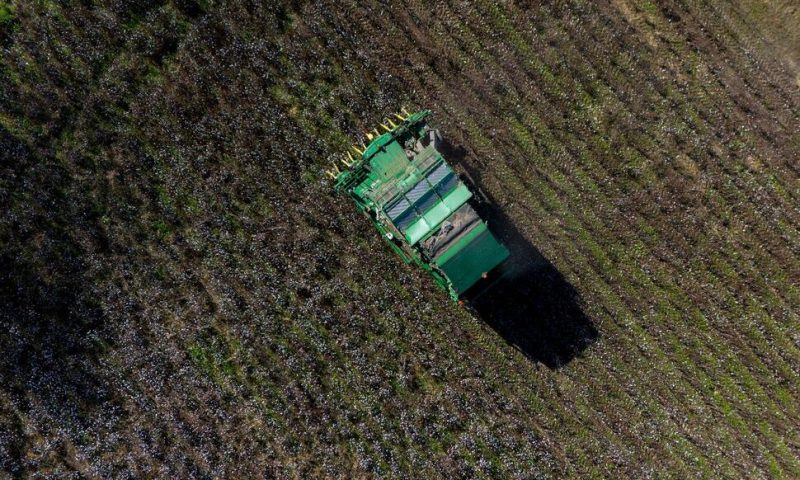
pixel 702 361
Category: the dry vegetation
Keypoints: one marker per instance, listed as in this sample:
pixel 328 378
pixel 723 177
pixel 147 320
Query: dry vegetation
pixel 182 296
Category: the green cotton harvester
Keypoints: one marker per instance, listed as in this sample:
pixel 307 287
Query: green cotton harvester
pixel 418 204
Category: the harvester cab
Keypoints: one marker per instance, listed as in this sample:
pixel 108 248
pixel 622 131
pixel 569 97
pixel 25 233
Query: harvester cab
pixel 401 180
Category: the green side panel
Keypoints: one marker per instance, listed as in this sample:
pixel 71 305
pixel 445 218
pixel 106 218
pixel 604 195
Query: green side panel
pixel 389 163
pixel 436 214
pixel 417 230
pixel 457 197
pixel 477 230
pixel 465 267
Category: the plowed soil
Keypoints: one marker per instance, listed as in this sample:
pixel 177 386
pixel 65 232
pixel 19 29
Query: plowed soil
pixel 183 296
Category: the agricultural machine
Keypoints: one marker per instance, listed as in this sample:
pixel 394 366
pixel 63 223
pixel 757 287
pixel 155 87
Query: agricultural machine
pixel 419 204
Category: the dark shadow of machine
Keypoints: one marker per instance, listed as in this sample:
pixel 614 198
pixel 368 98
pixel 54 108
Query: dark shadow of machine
pixel 528 302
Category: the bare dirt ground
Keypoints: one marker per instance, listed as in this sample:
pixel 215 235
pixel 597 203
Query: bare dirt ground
pixel 184 297
pixel 776 22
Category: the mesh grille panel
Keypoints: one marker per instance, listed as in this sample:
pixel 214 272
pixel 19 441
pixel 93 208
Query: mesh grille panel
pixel 447 184
pixel 418 191
pixel 405 220
pixel 427 201
pixel 438 173
pixel 397 208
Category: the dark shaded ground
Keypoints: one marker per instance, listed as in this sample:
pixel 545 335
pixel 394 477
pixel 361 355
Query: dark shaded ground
pixel 51 324
pixel 526 300
pixel 531 305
